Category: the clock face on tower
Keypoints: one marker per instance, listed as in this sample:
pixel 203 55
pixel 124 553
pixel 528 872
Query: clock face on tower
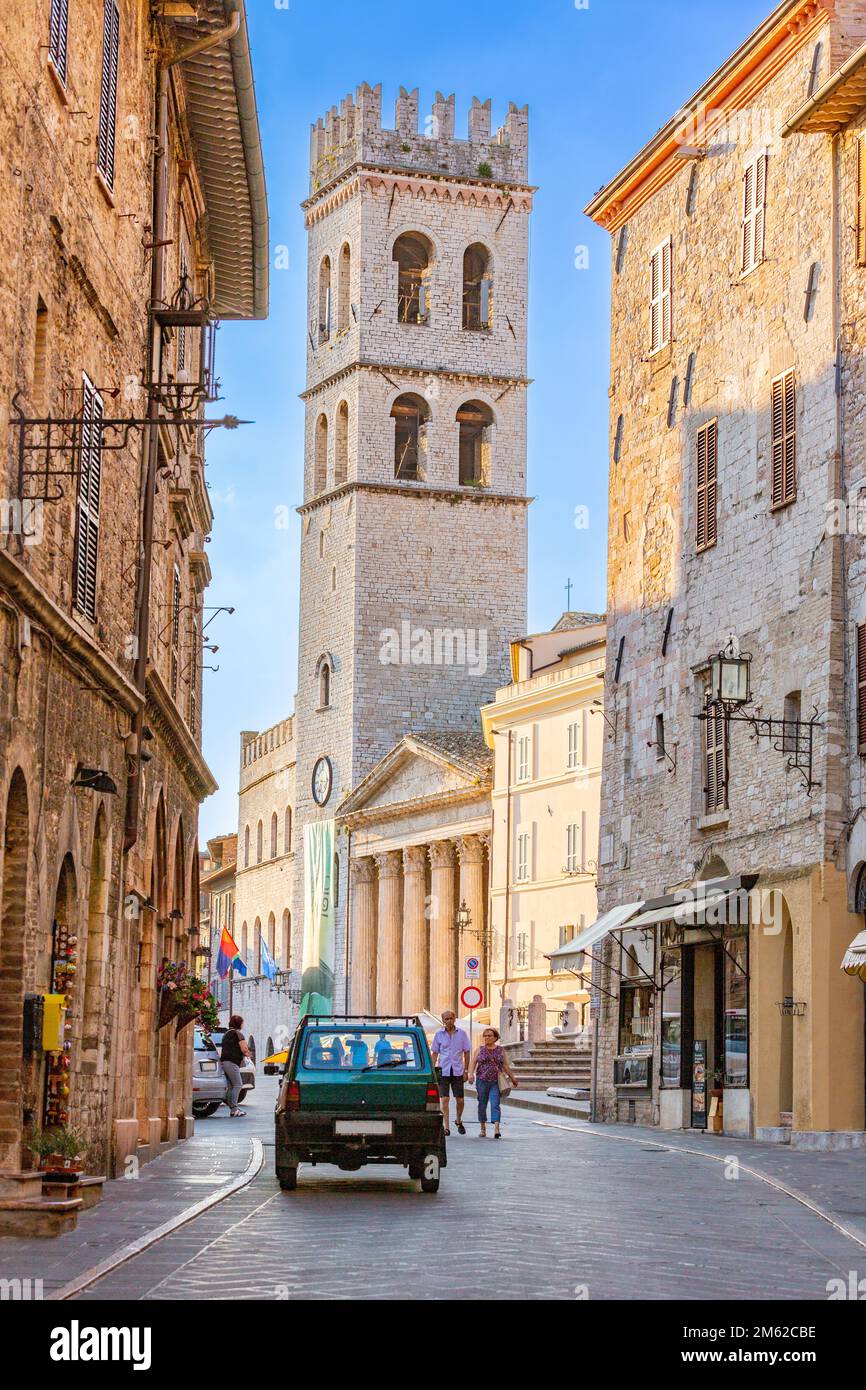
pixel 323 777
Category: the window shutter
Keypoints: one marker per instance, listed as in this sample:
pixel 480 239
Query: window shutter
pixel 706 493
pixel 87 508
pixel 754 208
pixel 861 200
pixel 784 448
pixel 655 303
pixel 58 37
pixel 485 303
pixel 667 269
pixel 760 206
pixel 661 316
pixel 861 689
pixel 108 93
pixel 715 726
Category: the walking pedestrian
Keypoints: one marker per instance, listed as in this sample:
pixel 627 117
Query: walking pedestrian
pixel 490 1063
pixel 232 1053
pixel 451 1053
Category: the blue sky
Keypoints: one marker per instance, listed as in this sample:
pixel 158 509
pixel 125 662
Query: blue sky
pixel 599 80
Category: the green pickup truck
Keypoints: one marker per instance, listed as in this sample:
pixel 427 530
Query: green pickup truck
pixel 358 1090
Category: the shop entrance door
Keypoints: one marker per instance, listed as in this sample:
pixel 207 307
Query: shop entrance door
pixel 703 1025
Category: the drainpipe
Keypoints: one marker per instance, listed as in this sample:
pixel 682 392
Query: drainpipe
pixel 150 447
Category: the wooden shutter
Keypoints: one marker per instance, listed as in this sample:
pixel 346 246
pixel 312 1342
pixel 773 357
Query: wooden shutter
pixel 661 266
pixel 754 212
pixel 784 448
pixel 87 505
pixel 106 139
pixel 861 689
pixel 175 632
pixel 861 200
pixel 58 37
pixel 706 491
pixel 716 757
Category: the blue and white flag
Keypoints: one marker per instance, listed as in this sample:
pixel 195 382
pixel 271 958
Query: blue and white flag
pixel 239 967
pixel 269 965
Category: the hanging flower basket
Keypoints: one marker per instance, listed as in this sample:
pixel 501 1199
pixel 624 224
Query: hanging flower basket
pixel 184 997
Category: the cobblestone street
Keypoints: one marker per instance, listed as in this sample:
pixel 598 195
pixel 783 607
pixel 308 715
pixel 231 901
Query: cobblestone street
pixel 552 1212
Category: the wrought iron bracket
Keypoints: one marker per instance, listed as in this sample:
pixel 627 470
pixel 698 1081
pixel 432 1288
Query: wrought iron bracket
pixel 796 737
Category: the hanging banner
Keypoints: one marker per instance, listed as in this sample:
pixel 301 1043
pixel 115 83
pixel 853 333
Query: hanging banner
pixel 317 981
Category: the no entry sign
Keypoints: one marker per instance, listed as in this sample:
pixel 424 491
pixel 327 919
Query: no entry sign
pixel 472 998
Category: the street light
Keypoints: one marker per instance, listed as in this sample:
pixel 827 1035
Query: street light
pixel 464 917
pixel 730 676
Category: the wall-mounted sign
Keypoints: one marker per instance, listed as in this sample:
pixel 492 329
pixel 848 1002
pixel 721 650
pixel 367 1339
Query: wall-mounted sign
pixel 699 1084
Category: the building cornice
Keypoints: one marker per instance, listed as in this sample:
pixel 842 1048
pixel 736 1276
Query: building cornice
pixel 427 184
pixel 458 796
pixel 163 714
pixel 72 640
pixel 418 491
pixel 416 373
pixel 575 690
pixel 732 88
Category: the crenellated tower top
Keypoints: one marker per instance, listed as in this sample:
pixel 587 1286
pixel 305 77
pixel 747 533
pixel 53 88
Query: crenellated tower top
pixel 353 134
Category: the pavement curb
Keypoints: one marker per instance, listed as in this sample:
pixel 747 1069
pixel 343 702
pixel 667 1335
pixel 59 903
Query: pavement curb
pixel 137 1247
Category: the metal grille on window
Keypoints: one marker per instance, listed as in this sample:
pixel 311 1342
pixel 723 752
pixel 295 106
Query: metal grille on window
pixel 106 138
pixel 784 440
pixel 58 37
pixel 706 498
pixel 87 507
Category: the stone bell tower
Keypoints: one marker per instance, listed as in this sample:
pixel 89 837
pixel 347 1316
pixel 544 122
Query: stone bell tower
pixel 413 552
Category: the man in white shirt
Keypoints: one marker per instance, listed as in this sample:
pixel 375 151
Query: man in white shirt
pixel 451 1057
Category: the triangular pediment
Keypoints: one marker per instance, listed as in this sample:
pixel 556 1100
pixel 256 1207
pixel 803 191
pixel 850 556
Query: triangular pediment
pixel 422 768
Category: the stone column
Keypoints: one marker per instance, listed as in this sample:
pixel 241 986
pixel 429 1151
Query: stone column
pixel 470 848
pixel 443 943
pixel 389 933
pixel 415 991
pixel 363 944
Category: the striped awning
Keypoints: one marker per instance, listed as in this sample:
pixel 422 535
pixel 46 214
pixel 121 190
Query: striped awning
pixel 854 960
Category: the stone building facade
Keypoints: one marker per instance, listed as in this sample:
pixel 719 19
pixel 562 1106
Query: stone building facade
pixel 118 245
pixel 735 406
pixel 546 736
pixel 413 551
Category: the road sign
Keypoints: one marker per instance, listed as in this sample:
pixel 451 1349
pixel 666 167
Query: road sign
pixel 472 998
pixel 472 968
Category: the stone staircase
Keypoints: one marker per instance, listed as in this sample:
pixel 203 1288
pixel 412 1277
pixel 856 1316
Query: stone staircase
pixel 26 1211
pixel 556 1063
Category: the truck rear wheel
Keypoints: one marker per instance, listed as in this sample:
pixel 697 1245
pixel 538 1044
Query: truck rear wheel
pixel 287 1178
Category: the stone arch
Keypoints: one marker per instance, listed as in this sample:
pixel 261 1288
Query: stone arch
pixel 272 935
pixel 325 287
pixel 287 831
pixel 257 947
pixel 475 424
pixel 344 288
pixel 97 952
pixel 274 824
pixel 341 444
pixel 411 415
pixel 14 905
pixel 413 253
pixel 324 674
pixel 286 942
pixel 320 454
pixel 477 287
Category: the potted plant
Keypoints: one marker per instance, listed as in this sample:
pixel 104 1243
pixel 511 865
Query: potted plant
pixel 59 1150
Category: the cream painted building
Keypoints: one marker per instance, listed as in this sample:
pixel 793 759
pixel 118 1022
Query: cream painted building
pixel 547 736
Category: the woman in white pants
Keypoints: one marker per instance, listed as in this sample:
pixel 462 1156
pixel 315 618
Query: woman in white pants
pixel 232 1053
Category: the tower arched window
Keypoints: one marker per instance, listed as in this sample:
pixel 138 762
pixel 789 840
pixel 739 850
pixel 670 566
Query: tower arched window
pixel 259 838
pixel 320 474
pixel 287 832
pixel 286 943
pixel 413 253
pixel 274 835
pixel 475 423
pixel 325 299
pixel 477 288
pixel 324 674
pixel 246 846
pixel 341 444
pixel 411 416
pixel 344 285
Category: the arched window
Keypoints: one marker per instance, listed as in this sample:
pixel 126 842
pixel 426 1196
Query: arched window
pixel 259 843
pixel 244 943
pixel 341 444
pixel 344 303
pixel 324 674
pixel 287 833
pixel 286 944
pixel 475 422
pixel 413 254
pixel 477 288
pixel 274 835
pixel 411 416
pixel 246 846
pixel 256 944
pixel 320 473
pixel 272 936
pixel 325 299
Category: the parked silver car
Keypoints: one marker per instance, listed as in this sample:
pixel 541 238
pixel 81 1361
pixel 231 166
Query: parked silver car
pixel 209 1085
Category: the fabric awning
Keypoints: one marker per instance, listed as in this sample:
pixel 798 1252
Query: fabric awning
pixel 571 955
pixel 692 907
pixel 854 960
